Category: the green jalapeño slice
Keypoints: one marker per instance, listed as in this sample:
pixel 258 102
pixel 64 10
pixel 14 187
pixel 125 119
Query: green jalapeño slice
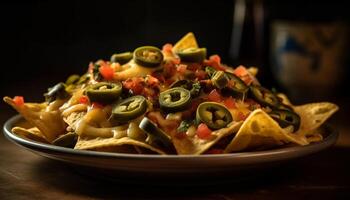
pixel 235 85
pixel 286 118
pixel 148 56
pixel 155 134
pixel 264 96
pixel 104 92
pixel 129 108
pixel 174 99
pixel 214 115
pixel 121 58
pixel 192 54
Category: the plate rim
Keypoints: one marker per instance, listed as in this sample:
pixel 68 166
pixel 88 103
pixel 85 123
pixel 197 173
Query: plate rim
pixel 26 143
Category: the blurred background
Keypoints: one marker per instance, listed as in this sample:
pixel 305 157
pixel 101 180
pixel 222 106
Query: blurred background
pixel 300 47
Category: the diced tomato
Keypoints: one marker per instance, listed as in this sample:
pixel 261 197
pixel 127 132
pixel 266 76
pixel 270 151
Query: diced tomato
pixel 181 69
pixel 194 66
pixel 215 96
pixel 158 76
pixel 215 151
pixel 241 71
pixel 215 61
pixel 18 100
pixel 230 103
pixel 107 72
pixel 200 74
pixel 135 85
pixel 215 58
pixel 152 80
pixel 84 100
pixel 169 68
pixel 96 105
pixel 168 48
pixel 203 132
pixel 180 135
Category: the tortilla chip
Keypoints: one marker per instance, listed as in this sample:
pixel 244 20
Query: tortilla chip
pixel 187 41
pixel 260 130
pixel 49 123
pixel 196 146
pixel 31 133
pixel 121 145
pixel 313 115
pixel 73 118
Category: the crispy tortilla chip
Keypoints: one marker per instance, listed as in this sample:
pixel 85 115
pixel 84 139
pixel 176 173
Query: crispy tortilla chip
pixel 121 145
pixel 31 133
pixel 195 145
pixel 187 41
pixel 73 118
pixel 260 130
pixel 313 115
pixel 49 122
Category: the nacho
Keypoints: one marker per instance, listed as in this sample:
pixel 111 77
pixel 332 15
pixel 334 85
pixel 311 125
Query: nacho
pixel 31 133
pixel 49 122
pixel 170 100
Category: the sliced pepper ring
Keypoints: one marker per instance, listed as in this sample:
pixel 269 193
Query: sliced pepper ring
pixel 67 140
pixel 219 79
pixel 104 92
pixel 148 56
pixel 121 58
pixel 236 85
pixel 129 109
pixel 192 54
pixel 264 96
pixel 155 134
pixel 286 118
pixel 193 87
pixel 56 92
pixel 214 115
pixel 174 99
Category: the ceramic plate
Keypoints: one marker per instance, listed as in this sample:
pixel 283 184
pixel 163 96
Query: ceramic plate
pixel 132 165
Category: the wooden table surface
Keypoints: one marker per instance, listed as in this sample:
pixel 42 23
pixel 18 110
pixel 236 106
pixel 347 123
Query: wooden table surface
pixel 324 175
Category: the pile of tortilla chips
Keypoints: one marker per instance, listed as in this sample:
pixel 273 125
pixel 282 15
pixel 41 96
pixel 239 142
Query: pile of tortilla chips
pixel 258 131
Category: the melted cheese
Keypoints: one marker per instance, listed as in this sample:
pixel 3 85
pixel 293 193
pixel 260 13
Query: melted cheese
pixel 131 69
pixel 242 108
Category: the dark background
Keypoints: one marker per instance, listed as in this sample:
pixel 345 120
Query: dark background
pixel 43 42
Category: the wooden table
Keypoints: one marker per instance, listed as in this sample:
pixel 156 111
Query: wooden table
pixel 325 175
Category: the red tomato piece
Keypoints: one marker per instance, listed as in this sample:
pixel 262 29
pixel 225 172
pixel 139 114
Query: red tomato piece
pixel 230 103
pixel 240 71
pixel 215 96
pixel 200 74
pixel 203 132
pixel 107 72
pixel 215 58
pixel 135 84
pixel 18 100
pixel 84 100
pixel 152 80
pixel 181 69
pixel 168 48
pixel 97 105
pixel 215 61
pixel 181 135
pixel 169 68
